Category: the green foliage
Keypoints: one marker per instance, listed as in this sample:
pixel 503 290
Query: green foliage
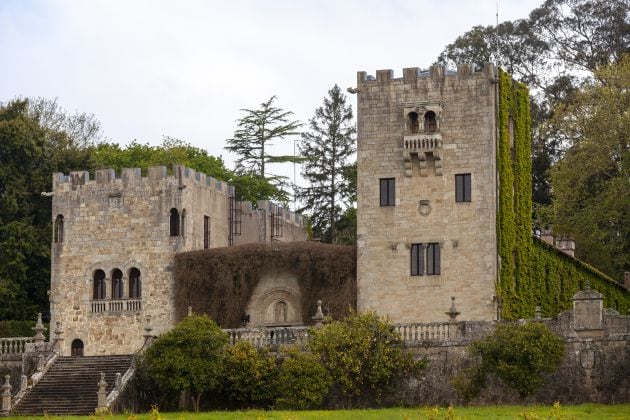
pixel 326 148
pixel 304 381
pixel 250 376
pixel 530 272
pixel 255 134
pixel 189 357
pixel 363 354
pixel 520 355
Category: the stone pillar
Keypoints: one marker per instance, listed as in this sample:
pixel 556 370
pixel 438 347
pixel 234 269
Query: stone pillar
pixel 6 396
pixel 588 306
pixel 319 315
pixel 148 337
pixel 102 394
pixel 566 245
pixel 58 338
pixel 39 330
pixel 546 236
pixel 453 330
pixel 537 314
pixel 118 381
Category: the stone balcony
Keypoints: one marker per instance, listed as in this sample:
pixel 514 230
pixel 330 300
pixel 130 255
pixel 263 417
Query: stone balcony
pixel 115 305
pixel 427 147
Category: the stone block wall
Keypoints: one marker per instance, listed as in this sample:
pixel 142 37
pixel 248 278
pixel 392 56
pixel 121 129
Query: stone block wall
pixel 423 163
pixel 124 223
pixel 268 222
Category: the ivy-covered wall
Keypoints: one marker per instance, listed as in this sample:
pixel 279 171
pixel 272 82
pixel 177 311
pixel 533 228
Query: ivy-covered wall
pixel 532 272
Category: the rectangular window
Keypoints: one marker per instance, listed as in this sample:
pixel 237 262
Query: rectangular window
pixel 433 259
pixel 388 192
pixel 417 259
pixel 206 232
pixel 462 188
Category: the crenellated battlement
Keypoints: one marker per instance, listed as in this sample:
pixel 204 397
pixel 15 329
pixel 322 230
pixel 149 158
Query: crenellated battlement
pixel 284 214
pixel 182 176
pixel 413 74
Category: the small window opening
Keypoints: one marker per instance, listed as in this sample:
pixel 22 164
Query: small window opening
pixel 387 192
pixel 174 218
pixel 417 259
pixel 433 259
pixel 117 284
pixel 58 229
pixel 206 232
pixel 430 123
pixel 462 188
pixel 135 289
pixel 183 225
pixel 414 122
pixel 99 285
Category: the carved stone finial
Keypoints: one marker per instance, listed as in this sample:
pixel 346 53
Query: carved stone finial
pixel 6 395
pixel 537 314
pixel 190 311
pixel 102 393
pixel 39 330
pixel 587 285
pixel 452 312
pixel 118 380
pixel 319 315
pixel 40 363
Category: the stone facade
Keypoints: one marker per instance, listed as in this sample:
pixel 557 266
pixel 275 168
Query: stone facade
pixel 114 244
pixel 420 132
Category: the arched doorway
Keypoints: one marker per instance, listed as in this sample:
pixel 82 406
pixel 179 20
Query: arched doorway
pixel 77 348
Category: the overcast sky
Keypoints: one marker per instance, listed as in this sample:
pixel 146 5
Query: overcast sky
pixel 185 68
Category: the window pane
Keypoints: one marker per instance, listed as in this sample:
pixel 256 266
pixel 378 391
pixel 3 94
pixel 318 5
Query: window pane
pixel 391 197
pixel 467 187
pixel 433 259
pixel 383 192
pixel 414 259
pixel 459 193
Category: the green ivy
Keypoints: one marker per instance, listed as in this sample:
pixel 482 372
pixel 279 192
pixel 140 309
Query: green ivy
pixel 533 273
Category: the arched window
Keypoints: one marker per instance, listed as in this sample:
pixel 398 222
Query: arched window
pixel 58 229
pixel 183 225
pixel 99 284
pixel 76 349
pixel 134 284
pixel 174 222
pixel 117 284
pixel 430 123
pixel 414 123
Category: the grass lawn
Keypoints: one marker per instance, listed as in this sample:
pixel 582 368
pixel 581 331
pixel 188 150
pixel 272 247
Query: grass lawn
pixel 583 411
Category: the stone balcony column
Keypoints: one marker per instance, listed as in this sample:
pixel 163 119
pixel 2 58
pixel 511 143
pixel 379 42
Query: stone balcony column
pixel 6 396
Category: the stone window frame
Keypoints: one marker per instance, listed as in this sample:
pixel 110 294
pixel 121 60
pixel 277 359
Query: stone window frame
pixel 118 284
pixel 135 284
pixel 108 267
pixel 58 229
pixel 425 258
pixel 99 286
pixel 174 222
pixel 463 188
pixel 206 231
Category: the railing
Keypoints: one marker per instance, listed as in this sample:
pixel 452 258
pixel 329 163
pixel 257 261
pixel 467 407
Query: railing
pixel 417 332
pixel 14 345
pixel 117 305
pixel 418 142
pixel 268 337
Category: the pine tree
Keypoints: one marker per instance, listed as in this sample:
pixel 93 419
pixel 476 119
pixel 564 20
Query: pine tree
pixel 325 149
pixel 256 133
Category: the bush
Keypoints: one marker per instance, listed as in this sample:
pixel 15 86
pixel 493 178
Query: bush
pixel 250 375
pixel 363 354
pixel 519 355
pixel 304 381
pixel 189 357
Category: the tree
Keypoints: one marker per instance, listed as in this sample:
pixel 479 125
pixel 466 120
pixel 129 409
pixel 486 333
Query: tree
pixel 256 132
pixel 363 354
pixel 519 355
pixel 303 382
pixel 326 148
pixel 591 183
pixel 189 357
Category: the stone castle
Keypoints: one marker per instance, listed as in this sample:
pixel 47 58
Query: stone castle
pixel 426 231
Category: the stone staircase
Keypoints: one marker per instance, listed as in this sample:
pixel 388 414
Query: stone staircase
pixel 70 386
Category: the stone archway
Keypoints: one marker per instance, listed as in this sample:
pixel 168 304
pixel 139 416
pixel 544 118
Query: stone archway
pixel 276 301
pixel 76 349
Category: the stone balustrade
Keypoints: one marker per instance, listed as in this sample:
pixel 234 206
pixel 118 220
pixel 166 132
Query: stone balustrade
pixel 422 142
pixel 428 331
pixel 14 345
pixel 269 337
pixel 116 305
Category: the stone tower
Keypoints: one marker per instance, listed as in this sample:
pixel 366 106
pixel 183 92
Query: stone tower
pixel 427 193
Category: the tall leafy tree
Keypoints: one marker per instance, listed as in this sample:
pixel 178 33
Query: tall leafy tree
pixel 326 148
pixel 591 183
pixel 256 133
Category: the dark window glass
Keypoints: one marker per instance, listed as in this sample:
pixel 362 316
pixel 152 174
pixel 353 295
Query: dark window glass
pixel 174 222
pixel 134 284
pixel 417 259
pixel 433 259
pixel 414 123
pixel 430 123
pixel 117 284
pixel 388 192
pixel 99 284
pixel 462 188
pixel 206 232
pixel 58 229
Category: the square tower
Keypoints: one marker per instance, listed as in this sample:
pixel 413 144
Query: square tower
pixel 427 193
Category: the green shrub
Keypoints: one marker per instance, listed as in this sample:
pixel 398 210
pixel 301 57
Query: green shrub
pixel 304 381
pixel 189 357
pixel 363 354
pixel 519 355
pixel 250 376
